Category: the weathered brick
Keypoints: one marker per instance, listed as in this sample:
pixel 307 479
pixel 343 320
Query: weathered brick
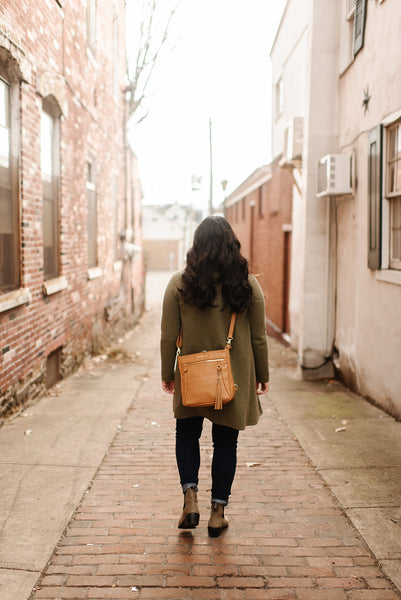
pixel 268 208
pixel 48 46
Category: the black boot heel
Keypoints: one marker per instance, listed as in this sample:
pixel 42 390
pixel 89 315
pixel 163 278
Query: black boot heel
pixel 190 522
pixel 217 523
pixel 214 532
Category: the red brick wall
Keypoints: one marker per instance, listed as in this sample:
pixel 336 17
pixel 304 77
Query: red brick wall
pixel 258 221
pixel 51 39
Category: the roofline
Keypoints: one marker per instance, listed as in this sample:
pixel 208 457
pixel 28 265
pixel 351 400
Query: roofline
pixel 279 27
pixel 239 193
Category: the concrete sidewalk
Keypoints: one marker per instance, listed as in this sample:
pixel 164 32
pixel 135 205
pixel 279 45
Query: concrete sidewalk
pixel 356 449
pixel 90 497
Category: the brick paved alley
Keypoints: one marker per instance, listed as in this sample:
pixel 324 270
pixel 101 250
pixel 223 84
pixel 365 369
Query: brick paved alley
pixel 287 540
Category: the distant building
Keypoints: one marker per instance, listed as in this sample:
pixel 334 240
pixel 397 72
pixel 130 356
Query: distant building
pixel 167 235
pixel 70 234
pixel 259 211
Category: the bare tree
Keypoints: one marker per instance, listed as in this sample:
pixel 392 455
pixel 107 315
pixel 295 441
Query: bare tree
pixel 152 36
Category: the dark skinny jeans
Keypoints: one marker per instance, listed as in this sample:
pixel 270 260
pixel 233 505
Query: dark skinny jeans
pixel 188 432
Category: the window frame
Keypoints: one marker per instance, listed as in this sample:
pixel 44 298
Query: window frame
pixel 91 198
pixel 359 25
pixel 392 196
pixel 383 271
pixel 374 197
pixel 14 179
pixel 52 193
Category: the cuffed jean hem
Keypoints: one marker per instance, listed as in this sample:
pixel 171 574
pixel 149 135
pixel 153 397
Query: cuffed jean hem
pixel 186 486
pixel 223 502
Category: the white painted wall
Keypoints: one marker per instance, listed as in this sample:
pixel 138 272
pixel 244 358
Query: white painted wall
pixel 321 138
pixel 368 324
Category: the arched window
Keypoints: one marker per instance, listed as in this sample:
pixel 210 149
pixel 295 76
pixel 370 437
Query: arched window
pixel 50 169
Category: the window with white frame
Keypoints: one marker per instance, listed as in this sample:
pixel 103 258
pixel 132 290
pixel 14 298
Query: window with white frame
pixel 9 224
pixel 356 17
pixel 393 192
pixel 50 167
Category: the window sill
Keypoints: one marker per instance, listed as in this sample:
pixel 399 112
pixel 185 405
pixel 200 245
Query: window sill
pixel 389 276
pixel 54 285
pixel 13 299
pixel 94 273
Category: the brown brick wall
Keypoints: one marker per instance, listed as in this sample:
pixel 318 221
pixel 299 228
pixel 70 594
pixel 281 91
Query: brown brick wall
pixel 49 42
pixel 258 221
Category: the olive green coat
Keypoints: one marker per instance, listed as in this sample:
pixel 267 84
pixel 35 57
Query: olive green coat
pixel 206 329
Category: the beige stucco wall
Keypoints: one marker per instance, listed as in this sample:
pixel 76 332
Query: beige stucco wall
pixel 368 320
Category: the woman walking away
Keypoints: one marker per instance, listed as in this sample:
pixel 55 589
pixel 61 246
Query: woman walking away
pixel 201 299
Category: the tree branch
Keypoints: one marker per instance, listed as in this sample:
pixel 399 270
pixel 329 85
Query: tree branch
pixel 146 58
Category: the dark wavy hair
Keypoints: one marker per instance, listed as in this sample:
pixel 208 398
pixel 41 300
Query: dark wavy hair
pixel 215 257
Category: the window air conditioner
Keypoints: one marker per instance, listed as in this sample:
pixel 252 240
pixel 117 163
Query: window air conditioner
pixel 293 140
pixel 334 175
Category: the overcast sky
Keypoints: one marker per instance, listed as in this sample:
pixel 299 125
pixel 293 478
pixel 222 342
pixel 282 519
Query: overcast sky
pixel 218 68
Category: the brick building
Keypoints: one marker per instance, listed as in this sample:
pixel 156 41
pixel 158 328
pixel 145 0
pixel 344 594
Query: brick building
pixel 69 201
pixel 259 211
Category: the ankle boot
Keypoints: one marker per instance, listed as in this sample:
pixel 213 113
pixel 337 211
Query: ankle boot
pixel 190 513
pixel 217 522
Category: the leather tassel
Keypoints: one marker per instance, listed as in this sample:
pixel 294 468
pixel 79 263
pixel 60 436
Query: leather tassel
pixel 218 405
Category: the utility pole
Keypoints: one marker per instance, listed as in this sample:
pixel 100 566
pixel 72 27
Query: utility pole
pixel 211 169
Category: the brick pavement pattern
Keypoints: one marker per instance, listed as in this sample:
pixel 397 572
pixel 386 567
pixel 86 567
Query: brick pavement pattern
pixel 287 539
